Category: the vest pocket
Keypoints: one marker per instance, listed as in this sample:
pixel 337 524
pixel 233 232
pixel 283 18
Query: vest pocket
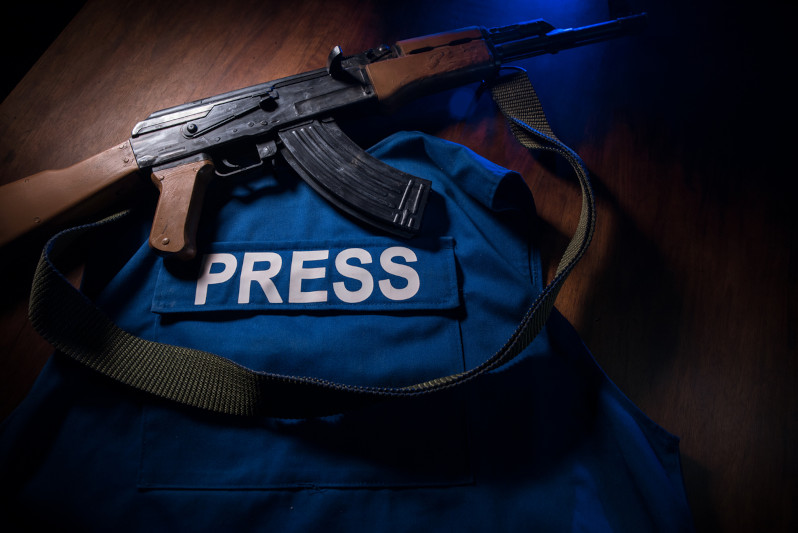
pixel 398 444
pixel 388 339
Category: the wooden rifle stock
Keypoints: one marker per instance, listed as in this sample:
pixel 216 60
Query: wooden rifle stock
pixel 56 195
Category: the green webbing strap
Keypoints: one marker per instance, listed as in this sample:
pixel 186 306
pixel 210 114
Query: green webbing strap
pixel 76 327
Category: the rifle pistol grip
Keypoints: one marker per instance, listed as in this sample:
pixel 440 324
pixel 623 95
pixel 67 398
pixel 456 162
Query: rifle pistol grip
pixel 182 190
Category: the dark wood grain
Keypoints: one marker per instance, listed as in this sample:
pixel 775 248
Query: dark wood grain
pixel 687 296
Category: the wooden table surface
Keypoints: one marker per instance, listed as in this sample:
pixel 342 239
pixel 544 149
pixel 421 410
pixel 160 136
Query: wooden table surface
pixel 687 297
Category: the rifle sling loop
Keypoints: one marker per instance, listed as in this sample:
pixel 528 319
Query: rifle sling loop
pixel 79 329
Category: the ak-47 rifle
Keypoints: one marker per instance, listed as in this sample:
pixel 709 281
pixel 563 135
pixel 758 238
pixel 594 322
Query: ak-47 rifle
pixel 183 147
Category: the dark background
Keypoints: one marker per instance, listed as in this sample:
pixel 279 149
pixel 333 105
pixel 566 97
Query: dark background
pixel 687 297
pixel 30 28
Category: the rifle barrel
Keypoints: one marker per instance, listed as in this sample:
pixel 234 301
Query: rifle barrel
pixel 522 41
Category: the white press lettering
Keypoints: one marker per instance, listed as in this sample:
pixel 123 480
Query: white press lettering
pixel 400 270
pixel 354 272
pixel 263 277
pixel 299 273
pixel 309 281
pixel 206 278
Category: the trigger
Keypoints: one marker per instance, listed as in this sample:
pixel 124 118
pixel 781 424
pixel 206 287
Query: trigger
pixel 264 150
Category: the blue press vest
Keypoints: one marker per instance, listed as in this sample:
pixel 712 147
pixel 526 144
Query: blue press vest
pixel 284 283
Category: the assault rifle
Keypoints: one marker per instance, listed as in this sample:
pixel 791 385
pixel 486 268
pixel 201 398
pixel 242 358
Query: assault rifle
pixel 184 147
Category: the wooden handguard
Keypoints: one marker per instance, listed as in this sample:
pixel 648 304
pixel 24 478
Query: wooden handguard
pixel 182 188
pixel 431 63
pixel 55 194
